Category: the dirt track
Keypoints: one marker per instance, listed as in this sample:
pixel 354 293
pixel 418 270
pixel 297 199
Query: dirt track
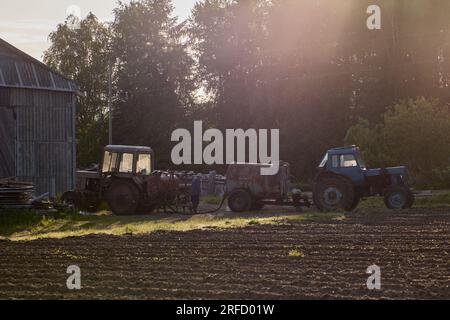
pixel 411 248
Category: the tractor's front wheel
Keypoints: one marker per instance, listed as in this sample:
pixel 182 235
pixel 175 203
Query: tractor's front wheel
pixel 398 198
pixel 333 193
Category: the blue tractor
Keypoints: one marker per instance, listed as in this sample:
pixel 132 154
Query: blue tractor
pixel 343 180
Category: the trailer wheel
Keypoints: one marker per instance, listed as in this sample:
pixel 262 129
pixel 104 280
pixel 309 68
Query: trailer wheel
pixel 334 192
pixel 123 198
pixel 239 201
pixel 398 198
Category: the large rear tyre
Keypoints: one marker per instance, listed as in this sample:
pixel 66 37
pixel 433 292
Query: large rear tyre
pixel 239 201
pixel 123 198
pixel 332 193
pixel 146 209
pixel 356 202
pixel 411 199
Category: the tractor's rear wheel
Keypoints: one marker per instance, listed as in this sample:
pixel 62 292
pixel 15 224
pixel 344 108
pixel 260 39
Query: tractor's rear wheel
pixel 239 201
pixel 398 198
pixel 411 199
pixel 333 193
pixel 123 198
pixel 355 203
pixel 146 209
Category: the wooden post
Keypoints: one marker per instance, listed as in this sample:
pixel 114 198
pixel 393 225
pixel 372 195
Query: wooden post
pixel 109 102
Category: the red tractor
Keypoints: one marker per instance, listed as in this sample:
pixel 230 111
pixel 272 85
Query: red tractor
pixel 129 184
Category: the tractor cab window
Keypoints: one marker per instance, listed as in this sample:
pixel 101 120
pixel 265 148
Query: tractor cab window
pixel 335 161
pixel 144 164
pixel 324 161
pixel 126 163
pixel 109 162
pixel 348 161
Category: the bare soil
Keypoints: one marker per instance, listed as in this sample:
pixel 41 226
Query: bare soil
pixel 411 248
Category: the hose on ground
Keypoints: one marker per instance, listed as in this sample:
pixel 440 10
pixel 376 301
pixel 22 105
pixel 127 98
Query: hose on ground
pixel 224 197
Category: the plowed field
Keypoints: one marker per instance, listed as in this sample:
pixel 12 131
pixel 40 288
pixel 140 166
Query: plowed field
pixel 328 260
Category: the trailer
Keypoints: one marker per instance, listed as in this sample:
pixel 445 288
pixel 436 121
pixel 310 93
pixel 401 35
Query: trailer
pixel 247 189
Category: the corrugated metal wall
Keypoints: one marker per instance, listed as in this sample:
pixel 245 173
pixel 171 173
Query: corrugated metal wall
pixel 44 138
pixel 7 141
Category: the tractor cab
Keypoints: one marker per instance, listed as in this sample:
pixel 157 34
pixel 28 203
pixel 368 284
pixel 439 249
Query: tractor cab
pixel 345 161
pixel 127 161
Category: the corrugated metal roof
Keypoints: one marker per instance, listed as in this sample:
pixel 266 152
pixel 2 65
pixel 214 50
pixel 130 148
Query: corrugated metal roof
pixel 19 70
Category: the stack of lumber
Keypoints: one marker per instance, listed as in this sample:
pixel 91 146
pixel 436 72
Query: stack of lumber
pixel 16 193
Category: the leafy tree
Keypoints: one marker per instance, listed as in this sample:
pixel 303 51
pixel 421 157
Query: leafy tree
pixel 414 132
pixel 226 37
pixel 82 54
pixel 154 75
pixel 312 68
pixel 418 132
pixel 370 142
pixel 264 62
pixel 309 68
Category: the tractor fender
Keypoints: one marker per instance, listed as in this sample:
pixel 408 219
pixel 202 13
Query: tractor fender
pixel 111 180
pixel 331 174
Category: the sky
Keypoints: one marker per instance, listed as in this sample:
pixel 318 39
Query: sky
pixel 26 24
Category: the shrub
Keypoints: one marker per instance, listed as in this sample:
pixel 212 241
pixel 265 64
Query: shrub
pixel 415 133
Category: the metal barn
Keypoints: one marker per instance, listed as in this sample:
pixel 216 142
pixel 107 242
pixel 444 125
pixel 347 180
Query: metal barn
pixel 37 122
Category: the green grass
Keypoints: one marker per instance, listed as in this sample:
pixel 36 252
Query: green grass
pixel 253 222
pixel 296 253
pixel 373 202
pixel 317 216
pixel 31 225
pixel 434 201
pixel 15 220
pixel 212 200
pixel 440 200
pixel 21 225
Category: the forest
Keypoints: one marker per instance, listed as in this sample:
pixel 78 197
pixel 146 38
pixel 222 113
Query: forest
pixel 309 68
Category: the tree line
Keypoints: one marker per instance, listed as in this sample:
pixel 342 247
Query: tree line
pixel 310 68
